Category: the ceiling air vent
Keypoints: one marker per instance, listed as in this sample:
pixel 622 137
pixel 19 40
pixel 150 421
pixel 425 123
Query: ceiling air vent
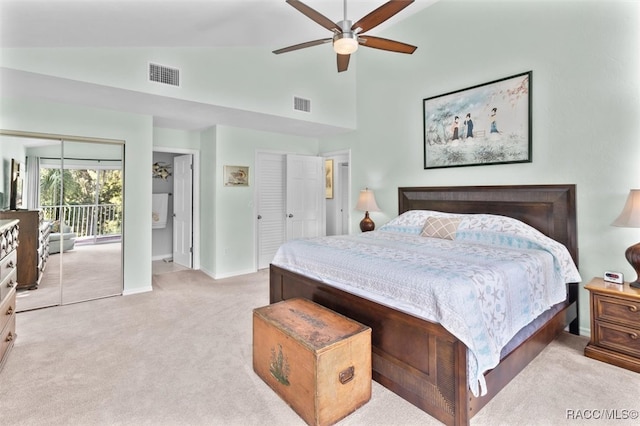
pixel 300 104
pixel 164 75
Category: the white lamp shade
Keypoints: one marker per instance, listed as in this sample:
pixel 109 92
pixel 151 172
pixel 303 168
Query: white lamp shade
pixel 630 216
pixel 367 201
pixel 345 46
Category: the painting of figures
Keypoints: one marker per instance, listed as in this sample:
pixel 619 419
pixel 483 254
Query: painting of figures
pixel 485 124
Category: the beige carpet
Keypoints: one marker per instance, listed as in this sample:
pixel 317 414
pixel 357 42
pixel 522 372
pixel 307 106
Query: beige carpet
pixel 181 355
pixel 89 271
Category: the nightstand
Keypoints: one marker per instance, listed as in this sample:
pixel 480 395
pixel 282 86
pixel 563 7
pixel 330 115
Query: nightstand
pixel 615 324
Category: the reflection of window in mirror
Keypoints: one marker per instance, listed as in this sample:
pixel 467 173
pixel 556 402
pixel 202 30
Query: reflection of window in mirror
pixel 83 223
pixel 92 211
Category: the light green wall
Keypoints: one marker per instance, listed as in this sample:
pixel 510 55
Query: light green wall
pixel 586 107
pixel 234 229
pixel 172 138
pixel 208 202
pixel 136 132
pixel 227 215
pixel 252 79
pixel 586 104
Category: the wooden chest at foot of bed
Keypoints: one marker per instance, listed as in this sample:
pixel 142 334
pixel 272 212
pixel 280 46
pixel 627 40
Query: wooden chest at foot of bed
pixel 316 360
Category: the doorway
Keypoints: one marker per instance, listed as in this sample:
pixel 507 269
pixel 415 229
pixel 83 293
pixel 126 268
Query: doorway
pixel 176 219
pixel 338 205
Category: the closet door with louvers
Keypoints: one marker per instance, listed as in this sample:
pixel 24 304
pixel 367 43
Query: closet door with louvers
pixel 270 182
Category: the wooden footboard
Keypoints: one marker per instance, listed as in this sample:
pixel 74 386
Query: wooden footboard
pixel 418 360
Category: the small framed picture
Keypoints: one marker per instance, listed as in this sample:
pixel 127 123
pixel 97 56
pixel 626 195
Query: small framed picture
pixel 328 176
pixel 236 176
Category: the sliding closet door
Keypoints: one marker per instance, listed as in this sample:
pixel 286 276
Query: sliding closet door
pixel 91 222
pixel 40 175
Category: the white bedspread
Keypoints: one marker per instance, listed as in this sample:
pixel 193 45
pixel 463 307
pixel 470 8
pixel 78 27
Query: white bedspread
pixel 482 287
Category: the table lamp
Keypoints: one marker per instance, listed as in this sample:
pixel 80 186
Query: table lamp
pixel 630 218
pixel 367 203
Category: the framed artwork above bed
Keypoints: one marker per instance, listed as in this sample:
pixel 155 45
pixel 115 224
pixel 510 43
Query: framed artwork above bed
pixel 489 123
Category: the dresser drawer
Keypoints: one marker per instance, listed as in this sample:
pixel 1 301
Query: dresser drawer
pixel 8 284
pixel 8 240
pixel 616 310
pixel 8 264
pixel 7 337
pixel 618 338
pixel 7 309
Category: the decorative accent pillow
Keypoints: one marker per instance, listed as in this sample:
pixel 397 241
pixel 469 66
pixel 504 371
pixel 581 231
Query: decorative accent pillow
pixel 441 227
pixel 412 221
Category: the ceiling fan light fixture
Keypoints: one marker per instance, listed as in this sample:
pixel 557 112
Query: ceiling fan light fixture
pixel 345 43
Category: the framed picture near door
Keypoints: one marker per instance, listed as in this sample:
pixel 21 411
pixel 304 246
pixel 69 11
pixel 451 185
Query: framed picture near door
pixel 328 175
pixel 236 176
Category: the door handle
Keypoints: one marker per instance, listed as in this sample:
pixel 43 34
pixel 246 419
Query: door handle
pixel 290 215
pixel 259 216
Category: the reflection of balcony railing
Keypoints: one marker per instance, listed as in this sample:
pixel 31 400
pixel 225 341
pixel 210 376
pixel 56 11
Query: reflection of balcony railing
pixel 88 220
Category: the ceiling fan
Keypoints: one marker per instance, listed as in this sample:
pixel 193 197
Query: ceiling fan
pixel 347 37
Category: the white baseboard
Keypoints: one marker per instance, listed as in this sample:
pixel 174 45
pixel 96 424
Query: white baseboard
pixel 137 291
pixel 232 274
pixel 162 257
pixel 228 274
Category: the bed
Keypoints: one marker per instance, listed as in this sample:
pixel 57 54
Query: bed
pixel 420 360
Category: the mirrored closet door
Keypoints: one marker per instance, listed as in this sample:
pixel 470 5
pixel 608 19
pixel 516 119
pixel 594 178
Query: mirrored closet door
pixel 70 206
pixel 91 220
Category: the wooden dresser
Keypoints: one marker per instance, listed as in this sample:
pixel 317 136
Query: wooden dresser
pixel 615 324
pixel 33 251
pixel 8 277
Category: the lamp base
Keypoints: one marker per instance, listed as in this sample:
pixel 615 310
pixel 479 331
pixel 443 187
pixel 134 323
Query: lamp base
pixel 633 257
pixel 367 224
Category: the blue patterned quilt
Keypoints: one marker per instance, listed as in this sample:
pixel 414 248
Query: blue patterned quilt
pixel 494 277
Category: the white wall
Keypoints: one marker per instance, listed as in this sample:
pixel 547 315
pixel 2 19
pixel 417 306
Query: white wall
pixel 586 87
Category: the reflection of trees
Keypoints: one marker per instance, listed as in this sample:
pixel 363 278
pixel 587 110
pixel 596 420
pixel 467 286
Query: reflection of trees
pixel 79 189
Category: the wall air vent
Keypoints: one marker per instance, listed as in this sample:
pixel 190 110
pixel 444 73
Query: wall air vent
pixel 300 104
pixel 164 75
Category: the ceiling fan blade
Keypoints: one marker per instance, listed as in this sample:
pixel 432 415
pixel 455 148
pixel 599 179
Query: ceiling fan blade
pixel 315 16
pixel 302 45
pixel 343 62
pixel 386 44
pixel 380 15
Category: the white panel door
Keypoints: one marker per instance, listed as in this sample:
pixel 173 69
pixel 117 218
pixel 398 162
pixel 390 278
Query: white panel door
pixel 305 201
pixel 343 183
pixel 183 210
pixel 270 184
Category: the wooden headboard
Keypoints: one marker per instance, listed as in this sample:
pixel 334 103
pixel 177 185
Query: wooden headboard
pixel 551 209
